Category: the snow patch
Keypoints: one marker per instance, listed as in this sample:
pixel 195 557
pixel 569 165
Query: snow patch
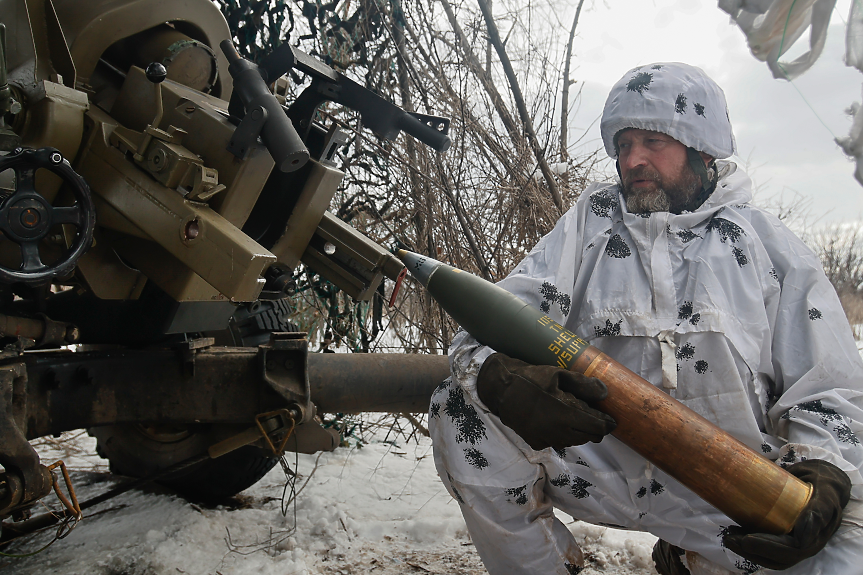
pixel 376 509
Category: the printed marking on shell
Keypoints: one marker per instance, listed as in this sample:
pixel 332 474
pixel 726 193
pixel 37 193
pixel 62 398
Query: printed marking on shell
pixel 566 345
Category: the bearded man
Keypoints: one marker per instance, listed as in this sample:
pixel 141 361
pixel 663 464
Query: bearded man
pixel 674 274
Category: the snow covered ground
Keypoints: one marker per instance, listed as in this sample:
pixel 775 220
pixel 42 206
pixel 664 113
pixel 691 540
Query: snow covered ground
pixel 379 509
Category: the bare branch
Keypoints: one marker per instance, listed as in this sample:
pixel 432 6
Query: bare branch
pixel 564 107
pixel 494 36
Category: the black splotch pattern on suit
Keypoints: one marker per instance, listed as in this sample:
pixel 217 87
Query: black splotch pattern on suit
pixel 686 351
pixel 518 494
pixel 579 487
pixel 475 457
pixel 561 480
pixel 551 295
pixel 640 83
pixel 617 248
pixel 470 427
pixel 603 202
pixel 610 329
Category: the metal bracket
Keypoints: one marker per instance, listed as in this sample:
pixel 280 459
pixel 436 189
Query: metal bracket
pixel 18 457
pixel 284 360
pixel 285 415
pixel 266 424
pixel 288 340
pixel 248 131
pixel 335 139
pixel 189 348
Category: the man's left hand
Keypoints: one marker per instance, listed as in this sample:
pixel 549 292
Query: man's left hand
pixel 817 523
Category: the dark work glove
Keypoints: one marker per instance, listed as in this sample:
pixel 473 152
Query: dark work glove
pixel 818 522
pixel 547 406
pixel 666 558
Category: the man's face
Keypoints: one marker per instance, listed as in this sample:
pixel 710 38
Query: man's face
pixel 655 172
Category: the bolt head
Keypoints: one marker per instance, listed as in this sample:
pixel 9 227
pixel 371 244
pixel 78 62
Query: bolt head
pixel 73 334
pixel 193 230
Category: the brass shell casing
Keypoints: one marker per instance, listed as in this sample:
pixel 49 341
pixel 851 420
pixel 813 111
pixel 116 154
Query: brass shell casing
pixel 752 490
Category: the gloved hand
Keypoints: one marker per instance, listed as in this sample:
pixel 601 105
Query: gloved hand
pixel 666 558
pixel 547 406
pixel 818 522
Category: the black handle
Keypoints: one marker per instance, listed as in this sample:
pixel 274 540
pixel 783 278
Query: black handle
pixel 278 134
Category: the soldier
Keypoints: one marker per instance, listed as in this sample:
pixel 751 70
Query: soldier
pixel 674 274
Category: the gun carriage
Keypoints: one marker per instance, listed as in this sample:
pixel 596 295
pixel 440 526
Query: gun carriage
pixel 156 193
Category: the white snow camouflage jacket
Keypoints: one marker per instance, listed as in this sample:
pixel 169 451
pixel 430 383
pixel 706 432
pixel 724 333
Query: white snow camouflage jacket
pixel 724 309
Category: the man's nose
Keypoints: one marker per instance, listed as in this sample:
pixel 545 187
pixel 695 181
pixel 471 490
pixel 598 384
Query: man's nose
pixel 636 157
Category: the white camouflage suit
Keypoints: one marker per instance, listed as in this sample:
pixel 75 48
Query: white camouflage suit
pixel 750 334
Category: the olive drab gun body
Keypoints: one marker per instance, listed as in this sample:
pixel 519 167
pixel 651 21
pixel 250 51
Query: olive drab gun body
pixel 156 193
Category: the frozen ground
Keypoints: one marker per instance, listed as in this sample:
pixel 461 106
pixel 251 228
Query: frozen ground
pixel 377 509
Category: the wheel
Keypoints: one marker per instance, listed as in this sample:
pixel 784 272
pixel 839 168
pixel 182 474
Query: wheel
pixel 139 450
pixel 26 217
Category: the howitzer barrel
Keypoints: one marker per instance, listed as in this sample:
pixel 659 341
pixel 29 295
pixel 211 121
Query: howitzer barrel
pixel 386 382
pixel 748 488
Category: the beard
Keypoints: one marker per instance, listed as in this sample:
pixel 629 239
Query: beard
pixel 664 194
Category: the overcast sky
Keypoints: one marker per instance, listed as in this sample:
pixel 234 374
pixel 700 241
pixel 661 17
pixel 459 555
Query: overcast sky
pixel 784 140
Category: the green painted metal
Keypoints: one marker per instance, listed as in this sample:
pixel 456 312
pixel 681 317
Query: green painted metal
pixel 494 316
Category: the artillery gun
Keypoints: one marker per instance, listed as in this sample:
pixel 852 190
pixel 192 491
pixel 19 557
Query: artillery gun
pixel 155 197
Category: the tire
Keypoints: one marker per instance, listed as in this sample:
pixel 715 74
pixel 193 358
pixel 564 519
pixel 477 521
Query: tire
pixel 139 450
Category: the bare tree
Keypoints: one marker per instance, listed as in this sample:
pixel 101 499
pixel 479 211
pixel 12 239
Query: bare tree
pixel 526 119
pixel 480 206
pixel 840 248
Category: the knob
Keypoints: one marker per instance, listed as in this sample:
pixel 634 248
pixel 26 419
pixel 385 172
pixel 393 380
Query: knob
pixel 156 72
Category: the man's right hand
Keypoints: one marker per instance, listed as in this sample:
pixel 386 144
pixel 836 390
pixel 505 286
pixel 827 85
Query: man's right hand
pixel 547 406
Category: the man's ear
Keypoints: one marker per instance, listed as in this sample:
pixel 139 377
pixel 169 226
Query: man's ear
pixel 707 159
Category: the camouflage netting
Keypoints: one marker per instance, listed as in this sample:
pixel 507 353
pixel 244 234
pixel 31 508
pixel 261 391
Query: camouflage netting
pixel 480 206
pixel 345 36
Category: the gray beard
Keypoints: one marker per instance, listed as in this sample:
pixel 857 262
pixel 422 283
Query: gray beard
pixel 668 197
pixel 642 203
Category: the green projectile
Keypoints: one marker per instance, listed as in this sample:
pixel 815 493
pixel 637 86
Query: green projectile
pixel 494 316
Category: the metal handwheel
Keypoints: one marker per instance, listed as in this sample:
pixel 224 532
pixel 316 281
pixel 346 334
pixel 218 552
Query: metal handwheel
pixel 26 216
